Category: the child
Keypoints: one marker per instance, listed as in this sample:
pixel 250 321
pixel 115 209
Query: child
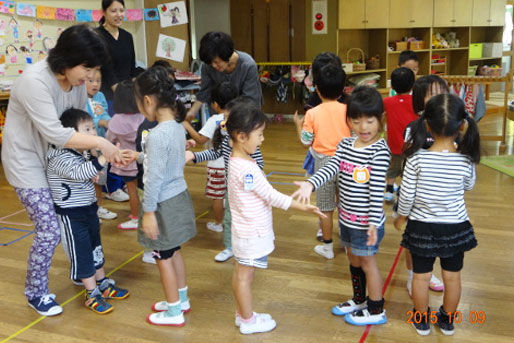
pixel 69 176
pixel 222 148
pixel 251 198
pixel 323 128
pixel 424 88
pixel 361 163
pixel 123 130
pixel 168 219
pixel 438 224
pixel 399 113
pixel 221 95
pixel 408 59
pixel 97 107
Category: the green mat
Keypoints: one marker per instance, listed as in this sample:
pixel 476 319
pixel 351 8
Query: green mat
pixel 503 163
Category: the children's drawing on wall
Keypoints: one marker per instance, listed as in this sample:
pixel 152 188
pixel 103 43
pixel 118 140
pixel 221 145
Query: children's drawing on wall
pixel 13 24
pixel 171 48
pixel 38 25
pixel 59 31
pixel 173 13
pixel 12 53
pixel 2 64
pixel 26 10
pixel 30 38
pixel 3 28
pixel 41 55
pixel 26 53
pixel 48 43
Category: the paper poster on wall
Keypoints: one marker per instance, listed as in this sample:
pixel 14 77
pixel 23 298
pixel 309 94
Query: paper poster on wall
pixel 319 17
pixel 45 12
pixel 151 14
pixel 97 15
pixel 171 48
pixel 65 14
pixel 83 16
pixel 134 14
pixel 26 10
pixel 173 13
pixel 7 7
pixel 3 28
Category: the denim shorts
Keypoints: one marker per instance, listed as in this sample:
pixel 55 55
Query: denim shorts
pixel 261 262
pixel 356 240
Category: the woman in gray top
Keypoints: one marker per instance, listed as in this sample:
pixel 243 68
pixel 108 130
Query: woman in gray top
pixel 38 98
pixel 223 63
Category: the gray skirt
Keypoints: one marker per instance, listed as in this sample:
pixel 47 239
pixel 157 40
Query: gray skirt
pixel 176 220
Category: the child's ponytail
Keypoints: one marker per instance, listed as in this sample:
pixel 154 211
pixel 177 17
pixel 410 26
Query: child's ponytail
pixel 217 138
pixel 470 144
pixel 417 136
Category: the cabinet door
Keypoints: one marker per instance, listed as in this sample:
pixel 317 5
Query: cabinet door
pixel 377 14
pixel 443 13
pixel 352 14
pixel 481 12
pixel 497 16
pixel 422 13
pixel 279 40
pixel 462 12
pixel 400 13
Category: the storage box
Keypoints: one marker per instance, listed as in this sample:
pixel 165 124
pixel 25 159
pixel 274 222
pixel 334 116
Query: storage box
pixel 400 46
pixel 417 45
pixel 492 49
pixel 472 70
pixel 475 50
pixel 488 71
pixel 348 67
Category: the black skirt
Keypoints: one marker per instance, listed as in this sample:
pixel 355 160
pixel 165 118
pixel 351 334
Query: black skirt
pixel 437 239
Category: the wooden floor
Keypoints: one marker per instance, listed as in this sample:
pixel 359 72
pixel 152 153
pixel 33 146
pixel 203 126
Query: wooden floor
pixel 298 289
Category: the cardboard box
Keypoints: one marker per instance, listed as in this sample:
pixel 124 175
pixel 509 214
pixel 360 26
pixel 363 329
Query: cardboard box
pixel 475 50
pixel 348 67
pixel 492 49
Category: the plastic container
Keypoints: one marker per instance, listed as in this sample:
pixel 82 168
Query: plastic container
pixel 475 50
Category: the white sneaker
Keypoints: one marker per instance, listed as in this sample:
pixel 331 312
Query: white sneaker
pixel 349 306
pixel 104 213
pixel 162 306
pixel 224 255
pixel 237 321
pixel 148 257
pixel 262 323
pixel 161 318
pixel 214 227
pixel 117 195
pixel 326 250
pixel 363 317
pixel 128 225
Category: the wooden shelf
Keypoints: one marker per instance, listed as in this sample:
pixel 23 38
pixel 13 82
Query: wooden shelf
pixel 397 52
pixel 484 58
pixel 437 64
pixel 451 49
pixel 366 71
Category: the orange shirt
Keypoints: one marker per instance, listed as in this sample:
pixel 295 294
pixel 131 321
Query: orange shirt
pixel 324 126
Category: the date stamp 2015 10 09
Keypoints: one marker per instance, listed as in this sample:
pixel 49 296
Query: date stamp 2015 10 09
pixel 474 317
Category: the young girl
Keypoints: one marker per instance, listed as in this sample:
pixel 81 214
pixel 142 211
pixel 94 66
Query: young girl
pixel 361 163
pixel 168 219
pixel 432 197
pixel 123 130
pixel 424 88
pixel 251 198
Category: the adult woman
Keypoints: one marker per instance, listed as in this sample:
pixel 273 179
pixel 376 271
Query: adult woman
pixel 121 48
pixel 38 98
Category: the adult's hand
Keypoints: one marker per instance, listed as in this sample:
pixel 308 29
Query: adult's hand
pixel 112 153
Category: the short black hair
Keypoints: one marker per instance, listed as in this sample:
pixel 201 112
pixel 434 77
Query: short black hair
pixel 402 80
pixel 78 45
pixel 166 65
pixel 323 59
pixel 72 117
pixel 223 93
pixel 216 44
pixel 124 100
pixel 407 55
pixel 330 81
pixel 423 87
pixel 365 101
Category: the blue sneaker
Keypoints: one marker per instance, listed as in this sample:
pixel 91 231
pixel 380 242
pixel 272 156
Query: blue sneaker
pixel 348 307
pixel 389 197
pixel 363 317
pixel 46 305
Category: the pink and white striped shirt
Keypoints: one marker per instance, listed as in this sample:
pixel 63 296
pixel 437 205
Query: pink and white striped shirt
pixel 251 198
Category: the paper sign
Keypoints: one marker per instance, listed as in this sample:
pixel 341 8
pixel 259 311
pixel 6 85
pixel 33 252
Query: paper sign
pixel 45 12
pixel 7 7
pixel 151 14
pixel 173 13
pixel 171 48
pixel 134 14
pixel 65 14
pixel 26 10
pixel 83 15
pixel 97 15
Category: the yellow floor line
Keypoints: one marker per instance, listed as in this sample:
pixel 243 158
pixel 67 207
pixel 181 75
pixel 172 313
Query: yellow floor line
pixel 82 292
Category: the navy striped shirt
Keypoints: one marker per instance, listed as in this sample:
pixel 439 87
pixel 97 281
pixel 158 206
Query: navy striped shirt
pixel 433 187
pixel 361 182
pixel 69 175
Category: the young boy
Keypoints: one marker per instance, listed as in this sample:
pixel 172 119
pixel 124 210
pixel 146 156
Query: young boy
pixel 221 95
pixel 408 59
pixel 399 113
pixel 69 175
pixel 96 106
pixel 323 128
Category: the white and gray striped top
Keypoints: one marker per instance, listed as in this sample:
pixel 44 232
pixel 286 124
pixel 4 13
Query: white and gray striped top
pixel 361 182
pixel 433 187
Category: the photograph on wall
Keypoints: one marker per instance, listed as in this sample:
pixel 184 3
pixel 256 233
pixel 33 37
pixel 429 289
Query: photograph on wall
pixel 171 48
pixel 173 13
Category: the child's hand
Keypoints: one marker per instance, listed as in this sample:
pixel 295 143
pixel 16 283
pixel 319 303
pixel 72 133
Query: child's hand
pixel 190 156
pixel 102 161
pixel 315 210
pixel 303 194
pixel 298 121
pixel 190 143
pixel 400 222
pixel 372 236
pixel 149 225
pixel 129 156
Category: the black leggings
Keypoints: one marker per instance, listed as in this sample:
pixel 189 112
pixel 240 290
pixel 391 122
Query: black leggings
pixel 422 264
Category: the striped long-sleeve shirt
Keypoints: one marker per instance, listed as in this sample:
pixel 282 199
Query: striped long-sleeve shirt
pixel 361 182
pixel 251 199
pixel 69 175
pixel 225 151
pixel 433 187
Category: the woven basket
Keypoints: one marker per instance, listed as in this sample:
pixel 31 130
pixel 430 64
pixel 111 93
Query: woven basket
pixel 361 66
pixel 373 62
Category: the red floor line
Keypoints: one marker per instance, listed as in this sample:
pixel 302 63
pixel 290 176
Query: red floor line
pixel 384 288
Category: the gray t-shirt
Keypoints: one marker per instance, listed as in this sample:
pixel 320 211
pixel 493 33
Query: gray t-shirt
pixel 32 123
pixel 245 78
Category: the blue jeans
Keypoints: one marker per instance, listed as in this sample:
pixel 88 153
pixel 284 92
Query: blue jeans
pixel 356 240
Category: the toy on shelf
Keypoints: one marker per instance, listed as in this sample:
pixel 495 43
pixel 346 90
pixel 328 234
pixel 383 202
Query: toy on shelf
pixel 438 42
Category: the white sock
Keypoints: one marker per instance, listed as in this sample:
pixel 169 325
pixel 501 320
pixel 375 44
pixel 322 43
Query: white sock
pixel 411 274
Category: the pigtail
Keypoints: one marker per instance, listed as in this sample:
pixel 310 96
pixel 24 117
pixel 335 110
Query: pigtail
pixel 217 138
pixel 418 137
pixel 470 143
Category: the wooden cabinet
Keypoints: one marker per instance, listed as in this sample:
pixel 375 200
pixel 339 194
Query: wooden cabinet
pixel 449 13
pixel 411 13
pixel 363 14
pixel 488 12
